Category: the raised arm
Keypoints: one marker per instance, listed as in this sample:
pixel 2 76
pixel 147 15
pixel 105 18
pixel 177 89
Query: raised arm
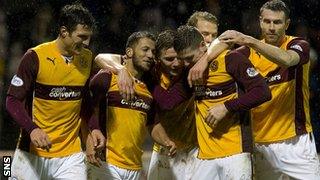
pixel 285 58
pixel 113 63
pixel 196 73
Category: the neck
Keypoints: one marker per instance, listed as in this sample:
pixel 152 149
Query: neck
pixel 62 47
pixel 282 41
pixel 132 70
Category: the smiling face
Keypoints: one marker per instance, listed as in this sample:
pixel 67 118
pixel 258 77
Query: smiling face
pixel 169 62
pixel 77 39
pixel 208 30
pixel 143 54
pixel 190 55
pixel 273 26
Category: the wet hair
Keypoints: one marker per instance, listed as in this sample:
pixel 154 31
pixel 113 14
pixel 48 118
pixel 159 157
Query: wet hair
pixel 164 41
pixel 74 14
pixel 276 5
pixel 136 36
pixel 187 37
pixel 193 20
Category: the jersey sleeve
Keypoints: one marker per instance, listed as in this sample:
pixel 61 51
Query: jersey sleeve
pixel 21 89
pixel 301 47
pixel 99 86
pixel 244 50
pixel 23 82
pixel 256 90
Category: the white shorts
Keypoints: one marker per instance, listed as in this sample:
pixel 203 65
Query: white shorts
pixel 179 167
pixel 26 166
pixel 235 167
pixel 296 158
pixel 111 172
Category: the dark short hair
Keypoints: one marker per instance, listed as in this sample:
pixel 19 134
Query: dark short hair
pixel 74 14
pixel 136 36
pixel 186 37
pixel 276 5
pixel 164 41
pixel 193 20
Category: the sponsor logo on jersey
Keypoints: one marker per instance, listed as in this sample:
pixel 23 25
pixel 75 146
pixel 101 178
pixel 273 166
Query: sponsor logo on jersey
pixel 297 47
pixel 276 77
pixel 252 72
pixel 16 81
pixel 138 103
pixel 63 93
pixel 211 93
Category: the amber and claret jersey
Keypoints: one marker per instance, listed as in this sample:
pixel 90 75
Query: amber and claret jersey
pixel 126 122
pixel 175 110
pixel 228 73
pixel 287 114
pixel 54 90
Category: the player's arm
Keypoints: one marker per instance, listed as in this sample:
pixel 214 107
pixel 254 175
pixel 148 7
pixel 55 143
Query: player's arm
pixel 196 73
pixel 98 86
pixel 90 124
pixel 296 52
pixel 157 132
pixel 22 86
pixel 109 61
pixel 159 135
pixel 256 90
pixel 112 62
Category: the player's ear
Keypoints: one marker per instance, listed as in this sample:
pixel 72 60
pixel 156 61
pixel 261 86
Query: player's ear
pixel 129 52
pixel 287 23
pixel 203 46
pixel 63 31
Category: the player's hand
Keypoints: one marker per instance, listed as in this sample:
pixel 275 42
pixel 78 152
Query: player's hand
pixel 98 139
pixel 126 85
pixel 93 155
pixel 40 139
pixel 196 73
pixel 171 146
pixel 215 115
pixel 233 37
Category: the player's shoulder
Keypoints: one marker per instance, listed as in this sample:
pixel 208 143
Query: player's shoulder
pixel 44 46
pixel 102 78
pixel 297 43
pixel 234 55
pixel 104 72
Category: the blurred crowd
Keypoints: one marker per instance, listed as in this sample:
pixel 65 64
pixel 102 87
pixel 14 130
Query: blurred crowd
pixel 26 23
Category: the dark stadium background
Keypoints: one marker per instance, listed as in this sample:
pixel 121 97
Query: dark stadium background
pixel 26 23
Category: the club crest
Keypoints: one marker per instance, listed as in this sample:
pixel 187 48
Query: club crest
pixel 214 66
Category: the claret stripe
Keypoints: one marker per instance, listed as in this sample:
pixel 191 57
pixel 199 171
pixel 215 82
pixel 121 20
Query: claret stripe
pixel 300 115
pixel 141 103
pixel 281 75
pixel 58 93
pixel 215 91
